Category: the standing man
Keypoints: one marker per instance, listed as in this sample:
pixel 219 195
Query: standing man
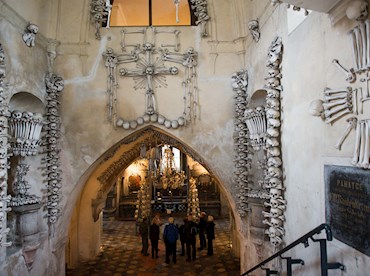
pixel 191 230
pixel 144 232
pixel 170 237
pixel 210 230
pixel 202 231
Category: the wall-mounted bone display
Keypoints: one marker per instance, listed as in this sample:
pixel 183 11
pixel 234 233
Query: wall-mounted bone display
pixel 25 129
pixel 239 83
pixel 253 27
pixel 360 36
pixel 54 85
pixel 150 74
pixel 100 11
pixel 201 12
pixel 257 126
pixel 273 181
pixel 4 116
pixel 30 35
pixel 361 153
pixel 337 103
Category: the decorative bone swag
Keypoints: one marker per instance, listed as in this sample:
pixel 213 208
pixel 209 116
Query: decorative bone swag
pixel 150 74
pixel 54 85
pixel 239 83
pixel 4 116
pixel 274 176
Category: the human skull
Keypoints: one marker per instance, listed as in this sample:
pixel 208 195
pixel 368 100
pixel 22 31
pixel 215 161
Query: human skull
pixel 52 140
pixel 274 162
pixel 275 182
pixel 273 93
pixel 357 10
pixel 316 108
pixel 190 51
pixel 275 172
pixel 174 70
pixel 16 114
pixel 148 46
pixel 149 70
pixel 3 153
pixel 275 222
pixel 275 193
pixel 275 241
pixel 274 151
pixel 273 122
pixel 271 113
pixel 54 212
pixel 52 219
pixel 273 103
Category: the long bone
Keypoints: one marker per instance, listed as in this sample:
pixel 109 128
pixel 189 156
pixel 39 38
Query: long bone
pixel 354 49
pixel 359 48
pixel 338 115
pixel 350 74
pixel 338 96
pixel 362 143
pixel 328 91
pixel 354 101
pixel 329 113
pixel 365 160
pixel 367 27
pixel 364 45
pixel 334 103
pixel 352 122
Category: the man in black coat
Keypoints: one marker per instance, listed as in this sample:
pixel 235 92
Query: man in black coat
pixel 191 230
pixel 144 232
pixel 202 231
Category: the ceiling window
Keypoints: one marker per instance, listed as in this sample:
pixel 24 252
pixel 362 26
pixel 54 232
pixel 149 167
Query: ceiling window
pixel 127 13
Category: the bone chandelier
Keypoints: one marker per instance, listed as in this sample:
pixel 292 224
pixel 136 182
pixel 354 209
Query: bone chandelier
pixel 166 177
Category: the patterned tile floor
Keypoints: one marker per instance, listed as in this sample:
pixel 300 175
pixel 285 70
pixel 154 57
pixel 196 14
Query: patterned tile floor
pixel 121 255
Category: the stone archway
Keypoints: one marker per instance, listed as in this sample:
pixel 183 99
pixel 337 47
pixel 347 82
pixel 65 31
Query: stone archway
pixel 85 224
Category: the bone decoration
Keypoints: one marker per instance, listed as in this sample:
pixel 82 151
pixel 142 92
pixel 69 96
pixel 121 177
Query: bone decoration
pixel 253 27
pixel 54 85
pixel 30 35
pixel 4 116
pixel 257 126
pixel 357 10
pixel 273 181
pixel 352 123
pixel 360 37
pixel 150 74
pixel 361 153
pixel 337 103
pixel 242 161
pixel 20 188
pixel 25 129
pixel 201 12
pixel 100 13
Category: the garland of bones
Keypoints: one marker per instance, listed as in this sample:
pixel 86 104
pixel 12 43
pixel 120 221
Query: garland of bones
pixel 260 128
pixel 150 74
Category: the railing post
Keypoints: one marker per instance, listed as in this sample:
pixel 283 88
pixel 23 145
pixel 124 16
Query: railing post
pixel 270 272
pixel 325 266
pixel 290 262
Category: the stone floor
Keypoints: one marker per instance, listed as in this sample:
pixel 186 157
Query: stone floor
pixel 121 255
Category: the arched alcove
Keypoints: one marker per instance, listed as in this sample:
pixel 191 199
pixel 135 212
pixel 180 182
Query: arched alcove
pixel 26 102
pixel 86 221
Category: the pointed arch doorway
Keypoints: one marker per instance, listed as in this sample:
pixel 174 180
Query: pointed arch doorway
pixel 85 229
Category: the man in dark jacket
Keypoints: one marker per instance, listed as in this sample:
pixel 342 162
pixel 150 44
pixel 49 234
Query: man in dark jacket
pixel 154 236
pixel 183 237
pixel 191 230
pixel 210 230
pixel 202 230
pixel 144 232
pixel 170 237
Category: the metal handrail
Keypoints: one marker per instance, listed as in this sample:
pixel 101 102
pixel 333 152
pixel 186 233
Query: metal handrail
pixel 304 240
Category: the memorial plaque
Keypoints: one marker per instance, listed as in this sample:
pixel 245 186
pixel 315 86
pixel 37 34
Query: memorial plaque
pixel 348 205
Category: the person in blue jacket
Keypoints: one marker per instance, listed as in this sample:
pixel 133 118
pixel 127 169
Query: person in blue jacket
pixel 170 237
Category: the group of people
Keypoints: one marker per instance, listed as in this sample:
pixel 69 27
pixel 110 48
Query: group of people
pixel 187 233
